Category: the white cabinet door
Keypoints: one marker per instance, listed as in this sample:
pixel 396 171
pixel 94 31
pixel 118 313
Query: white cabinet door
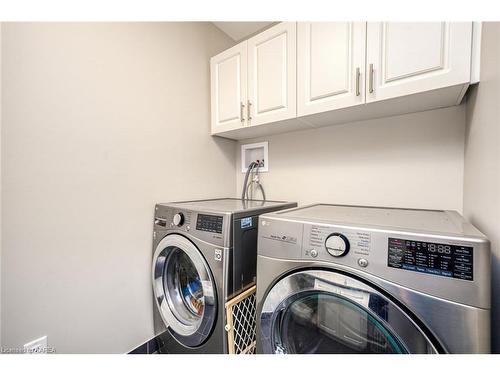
pixel 408 58
pixel 228 75
pixel 330 65
pixel 272 74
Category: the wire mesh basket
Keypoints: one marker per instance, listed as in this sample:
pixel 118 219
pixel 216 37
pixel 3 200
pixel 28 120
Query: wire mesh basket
pixel 241 322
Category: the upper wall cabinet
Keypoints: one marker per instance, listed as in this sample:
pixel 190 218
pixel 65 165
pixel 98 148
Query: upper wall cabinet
pixel 330 65
pixel 318 74
pixel 272 74
pixel 408 58
pixel 229 88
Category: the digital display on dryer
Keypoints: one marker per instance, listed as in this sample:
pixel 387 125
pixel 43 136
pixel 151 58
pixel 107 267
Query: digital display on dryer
pixel 432 258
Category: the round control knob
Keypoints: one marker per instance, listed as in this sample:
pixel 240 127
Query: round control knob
pixel 178 219
pixel 337 245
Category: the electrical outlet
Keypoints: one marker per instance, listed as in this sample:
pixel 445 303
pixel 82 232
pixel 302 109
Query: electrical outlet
pixel 37 346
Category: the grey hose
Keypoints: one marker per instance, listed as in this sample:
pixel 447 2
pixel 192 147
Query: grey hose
pixel 251 166
pixel 259 186
pixel 253 170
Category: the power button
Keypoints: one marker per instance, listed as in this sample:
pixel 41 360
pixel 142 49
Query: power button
pixel 313 253
pixel 362 262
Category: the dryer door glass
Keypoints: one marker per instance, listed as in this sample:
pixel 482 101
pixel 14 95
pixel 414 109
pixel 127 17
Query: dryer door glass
pixel 318 311
pixel 324 323
pixel 184 290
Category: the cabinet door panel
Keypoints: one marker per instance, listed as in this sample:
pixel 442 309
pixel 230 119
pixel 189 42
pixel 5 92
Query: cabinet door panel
pixel 329 55
pixel 271 74
pixel 404 47
pixel 228 72
pixel 413 57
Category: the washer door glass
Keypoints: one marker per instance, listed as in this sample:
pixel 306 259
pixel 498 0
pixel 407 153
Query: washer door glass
pixel 326 323
pixel 183 287
pixel 184 290
pixel 318 311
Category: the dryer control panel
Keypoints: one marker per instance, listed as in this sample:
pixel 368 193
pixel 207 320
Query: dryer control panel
pixel 429 257
pixel 453 267
pixel 336 242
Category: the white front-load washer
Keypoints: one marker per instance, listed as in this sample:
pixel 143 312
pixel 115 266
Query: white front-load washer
pixel 349 279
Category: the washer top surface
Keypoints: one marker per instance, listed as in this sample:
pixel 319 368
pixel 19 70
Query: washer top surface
pixel 445 222
pixel 230 205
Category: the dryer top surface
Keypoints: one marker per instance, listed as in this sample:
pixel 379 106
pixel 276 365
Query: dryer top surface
pixel 445 222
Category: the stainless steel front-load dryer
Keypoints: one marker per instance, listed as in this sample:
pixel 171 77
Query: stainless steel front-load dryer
pixel 204 252
pixel 347 279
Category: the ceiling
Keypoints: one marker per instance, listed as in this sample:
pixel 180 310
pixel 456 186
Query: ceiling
pixel 240 30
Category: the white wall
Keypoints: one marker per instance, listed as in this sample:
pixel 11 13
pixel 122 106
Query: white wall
pixel 90 140
pixel 482 159
pixel 413 160
pixel 100 121
pixel 0 184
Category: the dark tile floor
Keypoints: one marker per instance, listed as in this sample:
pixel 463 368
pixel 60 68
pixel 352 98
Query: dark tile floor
pixel 149 347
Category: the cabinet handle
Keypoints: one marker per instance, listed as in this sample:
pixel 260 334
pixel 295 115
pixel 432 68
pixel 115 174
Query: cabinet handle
pixel 249 113
pixel 370 82
pixel 358 74
pixel 242 106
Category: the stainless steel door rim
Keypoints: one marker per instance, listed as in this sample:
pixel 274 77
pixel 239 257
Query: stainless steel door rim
pixel 184 289
pixel 292 288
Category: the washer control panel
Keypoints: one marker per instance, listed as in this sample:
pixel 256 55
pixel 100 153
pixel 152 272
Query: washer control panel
pixel 171 218
pixel 209 223
pixel 178 219
pixel 208 227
